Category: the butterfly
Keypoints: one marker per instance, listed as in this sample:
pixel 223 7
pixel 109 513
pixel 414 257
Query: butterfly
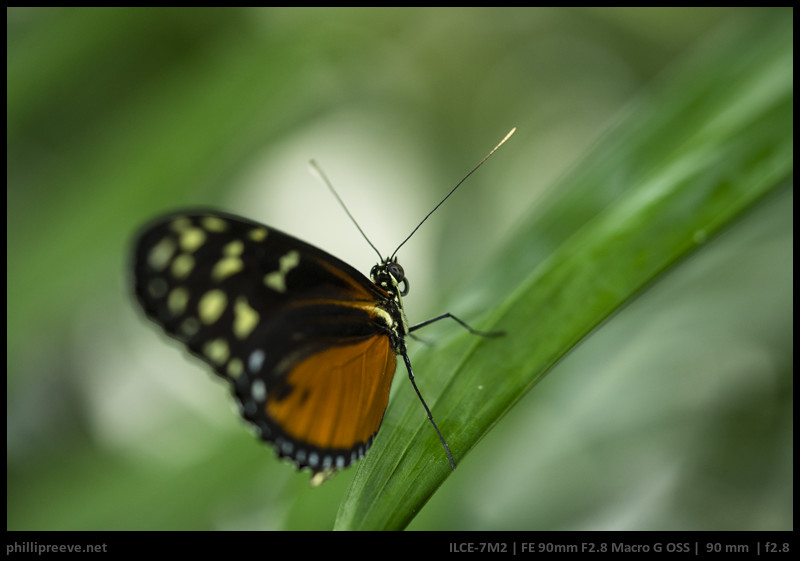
pixel 307 342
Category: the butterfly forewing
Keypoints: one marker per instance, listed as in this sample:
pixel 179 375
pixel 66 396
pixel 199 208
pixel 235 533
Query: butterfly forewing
pixel 304 338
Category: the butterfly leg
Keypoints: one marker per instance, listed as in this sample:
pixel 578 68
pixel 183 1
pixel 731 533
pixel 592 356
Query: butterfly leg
pixel 427 410
pixel 462 323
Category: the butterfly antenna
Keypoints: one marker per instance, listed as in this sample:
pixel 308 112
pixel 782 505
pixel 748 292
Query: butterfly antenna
pixel 486 157
pixel 318 170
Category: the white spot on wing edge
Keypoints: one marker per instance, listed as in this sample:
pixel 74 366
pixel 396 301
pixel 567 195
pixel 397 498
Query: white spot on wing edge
pixel 255 361
pixel 258 389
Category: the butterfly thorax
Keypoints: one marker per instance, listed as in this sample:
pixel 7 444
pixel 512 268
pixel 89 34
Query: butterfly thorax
pixel 389 275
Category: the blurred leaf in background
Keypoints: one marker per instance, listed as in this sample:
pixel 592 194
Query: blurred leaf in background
pixel 675 414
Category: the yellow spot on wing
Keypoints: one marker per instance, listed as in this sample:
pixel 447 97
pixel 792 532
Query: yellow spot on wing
pixel 180 224
pixel 214 224
pixel 217 351
pixel 276 280
pixel 211 306
pixel 235 368
pixel 191 238
pixel 160 255
pixel 258 234
pixel 182 266
pixel 226 267
pixel 229 264
pixel 234 248
pixel 245 318
pixel 177 300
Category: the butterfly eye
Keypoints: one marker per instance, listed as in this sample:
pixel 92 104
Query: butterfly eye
pixel 399 275
pixel 397 272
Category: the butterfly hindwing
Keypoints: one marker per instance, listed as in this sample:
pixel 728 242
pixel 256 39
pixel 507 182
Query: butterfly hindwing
pixel 304 338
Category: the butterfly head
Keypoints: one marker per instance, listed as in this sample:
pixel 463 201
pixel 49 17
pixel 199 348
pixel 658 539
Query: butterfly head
pixel 389 275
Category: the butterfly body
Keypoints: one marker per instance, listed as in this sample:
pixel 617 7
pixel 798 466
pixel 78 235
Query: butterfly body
pixel 308 343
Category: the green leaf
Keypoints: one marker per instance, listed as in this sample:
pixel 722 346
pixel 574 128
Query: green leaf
pixel 707 142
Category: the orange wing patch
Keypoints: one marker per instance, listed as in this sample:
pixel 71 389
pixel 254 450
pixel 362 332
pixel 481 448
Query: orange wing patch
pixel 338 396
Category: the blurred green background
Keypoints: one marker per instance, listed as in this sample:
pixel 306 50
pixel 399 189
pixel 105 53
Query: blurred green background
pixel 675 414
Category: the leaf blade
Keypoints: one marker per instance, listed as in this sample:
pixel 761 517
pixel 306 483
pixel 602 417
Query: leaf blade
pixel 711 140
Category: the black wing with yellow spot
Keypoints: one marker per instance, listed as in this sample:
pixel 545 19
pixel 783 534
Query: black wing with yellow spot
pixel 307 341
